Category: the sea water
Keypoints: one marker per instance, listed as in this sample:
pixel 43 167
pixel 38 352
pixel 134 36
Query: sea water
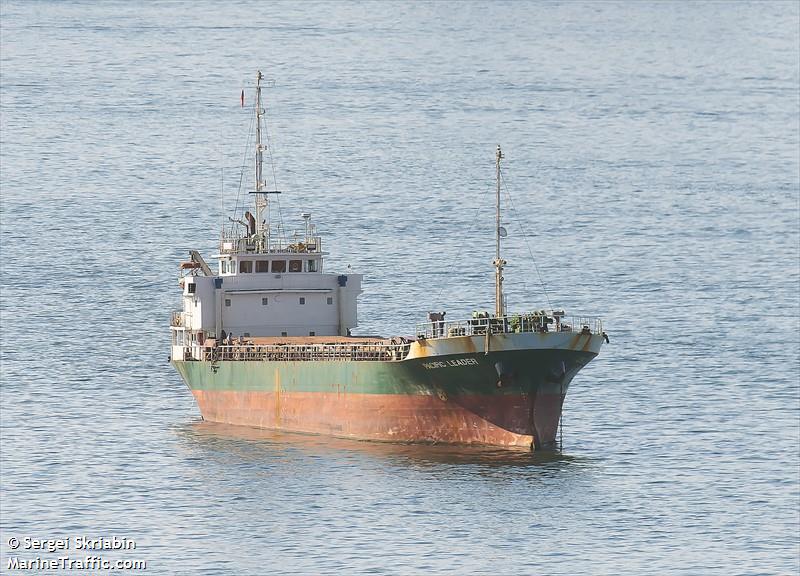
pixel 651 178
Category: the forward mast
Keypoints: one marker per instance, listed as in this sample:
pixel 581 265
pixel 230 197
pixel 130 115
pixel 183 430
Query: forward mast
pixel 498 262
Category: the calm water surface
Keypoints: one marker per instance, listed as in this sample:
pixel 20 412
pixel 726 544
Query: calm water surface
pixel 652 161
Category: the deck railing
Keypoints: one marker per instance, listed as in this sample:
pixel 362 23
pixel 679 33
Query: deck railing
pixel 356 351
pixel 509 324
pixel 238 243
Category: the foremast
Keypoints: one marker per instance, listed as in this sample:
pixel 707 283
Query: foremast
pixel 499 263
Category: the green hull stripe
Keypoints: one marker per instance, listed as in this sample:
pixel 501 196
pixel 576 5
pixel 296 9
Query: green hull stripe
pixel 476 373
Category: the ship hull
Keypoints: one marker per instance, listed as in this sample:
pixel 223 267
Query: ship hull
pixel 447 391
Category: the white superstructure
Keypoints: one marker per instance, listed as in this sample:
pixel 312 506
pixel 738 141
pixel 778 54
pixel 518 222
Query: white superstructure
pixel 280 292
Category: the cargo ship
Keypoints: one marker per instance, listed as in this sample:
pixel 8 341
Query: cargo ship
pixel 265 339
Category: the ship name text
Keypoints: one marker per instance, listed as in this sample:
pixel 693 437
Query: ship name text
pixel 450 363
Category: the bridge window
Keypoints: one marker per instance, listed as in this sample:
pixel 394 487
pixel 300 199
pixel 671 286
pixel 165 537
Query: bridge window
pixel 264 301
pixel 232 267
pixel 279 265
pixel 330 300
pixel 227 301
pixel 262 265
pixel 311 265
pixel 295 265
pixel 246 267
pixel 302 300
pixel 191 288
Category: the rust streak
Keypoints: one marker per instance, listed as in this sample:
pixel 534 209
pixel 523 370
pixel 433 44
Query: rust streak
pixel 585 347
pixel 574 342
pixel 469 345
pixel 420 349
pixel 277 396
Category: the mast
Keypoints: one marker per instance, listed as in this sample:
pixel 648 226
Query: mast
pixel 259 158
pixel 498 262
pixel 261 199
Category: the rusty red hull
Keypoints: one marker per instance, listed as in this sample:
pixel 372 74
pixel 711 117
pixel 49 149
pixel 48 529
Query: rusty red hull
pixel 500 420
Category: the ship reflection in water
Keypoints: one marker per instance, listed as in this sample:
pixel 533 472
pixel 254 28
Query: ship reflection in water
pixel 260 444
